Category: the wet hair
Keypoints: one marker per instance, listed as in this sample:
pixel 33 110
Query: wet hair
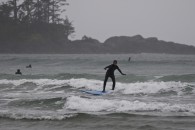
pixel 115 61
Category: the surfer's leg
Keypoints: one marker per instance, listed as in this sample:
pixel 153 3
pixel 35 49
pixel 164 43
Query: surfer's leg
pixel 105 80
pixel 113 80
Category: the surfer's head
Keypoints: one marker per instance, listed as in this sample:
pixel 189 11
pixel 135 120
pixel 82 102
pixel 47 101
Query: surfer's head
pixel 115 62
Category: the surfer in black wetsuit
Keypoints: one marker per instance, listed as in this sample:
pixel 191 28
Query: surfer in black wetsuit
pixel 110 73
pixel 18 72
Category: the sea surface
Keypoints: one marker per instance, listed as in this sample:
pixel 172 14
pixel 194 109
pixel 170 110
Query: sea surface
pixel 158 92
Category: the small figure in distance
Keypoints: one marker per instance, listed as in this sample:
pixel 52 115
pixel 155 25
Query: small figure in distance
pixel 110 73
pixel 129 59
pixel 29 66
pixel 18 72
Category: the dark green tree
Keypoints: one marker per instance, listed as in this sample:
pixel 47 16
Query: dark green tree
pixel 36 21
pixel 68 28
pixel 57 7
pixel 15 8
pixel 38 11
pixel 5 13
pixel 26 12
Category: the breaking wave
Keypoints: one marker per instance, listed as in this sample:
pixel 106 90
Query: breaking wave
pixel 150 87
pixel 97 105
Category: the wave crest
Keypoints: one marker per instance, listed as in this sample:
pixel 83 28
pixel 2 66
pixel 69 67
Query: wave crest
pixel 151 87
pixel 97 105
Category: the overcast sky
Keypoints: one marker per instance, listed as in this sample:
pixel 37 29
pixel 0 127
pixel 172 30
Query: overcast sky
pixel 169 20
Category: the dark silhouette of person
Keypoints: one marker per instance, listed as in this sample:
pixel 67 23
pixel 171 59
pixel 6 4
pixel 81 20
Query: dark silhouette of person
pixel 110 73
pixel 18 72
pixel 129 59
pixel 29 66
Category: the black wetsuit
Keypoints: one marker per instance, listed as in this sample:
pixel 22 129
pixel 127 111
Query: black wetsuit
pixel 18 72
pixel 110 73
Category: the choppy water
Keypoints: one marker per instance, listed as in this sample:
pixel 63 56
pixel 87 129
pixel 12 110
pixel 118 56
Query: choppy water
pixel 157 93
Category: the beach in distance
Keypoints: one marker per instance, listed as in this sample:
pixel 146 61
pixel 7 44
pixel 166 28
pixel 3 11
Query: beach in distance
pixel 157 92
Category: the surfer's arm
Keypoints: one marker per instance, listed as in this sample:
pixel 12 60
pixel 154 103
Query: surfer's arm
pixel 107 67
pixel 120 71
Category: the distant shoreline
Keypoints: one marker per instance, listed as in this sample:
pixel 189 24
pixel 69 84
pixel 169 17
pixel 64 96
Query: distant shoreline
pixel 89 54
pixel 114 45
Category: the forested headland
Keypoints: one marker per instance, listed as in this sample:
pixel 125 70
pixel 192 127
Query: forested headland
pixel 31 23
pixel 37 26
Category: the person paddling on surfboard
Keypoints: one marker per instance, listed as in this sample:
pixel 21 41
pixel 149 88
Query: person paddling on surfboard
pixel 110 73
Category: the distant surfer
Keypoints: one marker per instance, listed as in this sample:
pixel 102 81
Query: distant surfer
pixel 29 66
pixel 110 73
pixel 129 59
pixel 18 72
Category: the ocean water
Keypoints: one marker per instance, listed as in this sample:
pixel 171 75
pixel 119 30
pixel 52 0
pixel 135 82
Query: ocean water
pixel 158 92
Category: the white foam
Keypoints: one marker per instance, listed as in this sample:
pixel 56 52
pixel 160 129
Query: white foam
pixel 151 87
pixel 131 88
pixel 72 82
pixel 36 81
pixel 97 105
pixel 87 83
pixel 125 88
pixel 34 114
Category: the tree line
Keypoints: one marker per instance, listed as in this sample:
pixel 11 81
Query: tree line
pixel 34 21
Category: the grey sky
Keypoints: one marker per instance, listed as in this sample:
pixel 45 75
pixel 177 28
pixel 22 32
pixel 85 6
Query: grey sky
pixel 169 20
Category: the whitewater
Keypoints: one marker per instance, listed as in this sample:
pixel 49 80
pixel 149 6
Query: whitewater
pixel 157 93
